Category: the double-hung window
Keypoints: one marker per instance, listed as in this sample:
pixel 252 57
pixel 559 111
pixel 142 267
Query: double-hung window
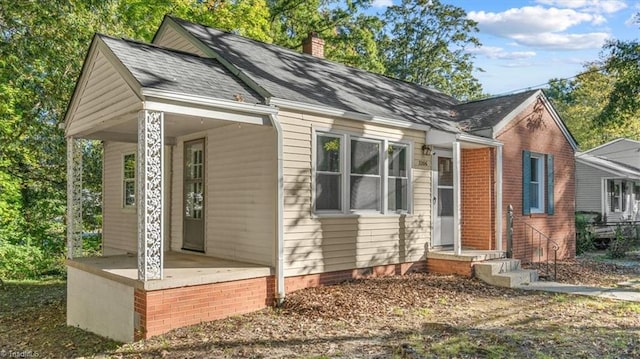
pixel 537 183
pixel 360 174
pixel 129 180
pixel 365 179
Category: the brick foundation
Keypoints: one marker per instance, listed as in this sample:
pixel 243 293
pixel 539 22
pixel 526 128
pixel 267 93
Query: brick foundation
pixel 444 266
pixel 159 311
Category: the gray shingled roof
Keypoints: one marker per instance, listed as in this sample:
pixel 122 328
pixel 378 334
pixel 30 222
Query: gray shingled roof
pixel 486 113
pixel 290 75
pixel 163 69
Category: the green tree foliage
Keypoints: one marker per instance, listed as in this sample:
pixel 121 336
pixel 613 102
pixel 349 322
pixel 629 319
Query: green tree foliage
pixel 426 41
pixel 622 62
pixel 582 101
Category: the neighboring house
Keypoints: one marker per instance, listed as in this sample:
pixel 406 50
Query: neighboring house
pixel 608 181
pixel 236 172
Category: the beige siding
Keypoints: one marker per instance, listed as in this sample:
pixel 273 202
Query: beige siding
pixel 120 225
pixel 322 244
pixel 170 38
pixel 105 95
pixel 120 229
pixel 240 193
pixel 589 188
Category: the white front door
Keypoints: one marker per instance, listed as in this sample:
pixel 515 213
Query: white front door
pixel 442 198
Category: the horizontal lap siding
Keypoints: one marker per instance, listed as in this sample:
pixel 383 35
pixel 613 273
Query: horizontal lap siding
pixel 589 188
pixel 120 228
pixel 103 82
pixel 173 40
pixel 240 193
pixel 316 245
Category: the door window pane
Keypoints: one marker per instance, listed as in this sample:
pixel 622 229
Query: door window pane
pixel 445 171
pixel 445 202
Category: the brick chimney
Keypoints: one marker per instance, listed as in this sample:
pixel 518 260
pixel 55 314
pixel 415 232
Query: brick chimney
pixel 313 45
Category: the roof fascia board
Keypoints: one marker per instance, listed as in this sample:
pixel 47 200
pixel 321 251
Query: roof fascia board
pixel 331 111
pixel 464 137
pixel 159 96
pixel 189 109
pixel 169 22
pixel 614 169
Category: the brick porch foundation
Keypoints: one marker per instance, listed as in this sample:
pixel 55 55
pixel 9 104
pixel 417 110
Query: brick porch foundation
pixel 159 311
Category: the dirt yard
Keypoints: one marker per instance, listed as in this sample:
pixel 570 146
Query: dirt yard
pixel 415 316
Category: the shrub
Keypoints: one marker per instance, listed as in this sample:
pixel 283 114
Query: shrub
pixel 585 234
pixel 625 238
pixel 27 262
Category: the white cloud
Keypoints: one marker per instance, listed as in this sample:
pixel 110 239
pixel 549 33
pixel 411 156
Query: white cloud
pixel 382 3
pixel 595 6
pixel 499 53
pixel 556 41
pixel 530 20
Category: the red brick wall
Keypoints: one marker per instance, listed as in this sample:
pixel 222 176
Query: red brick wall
pixel 162 310
pixel 478 194
pixel 443 266
pixel 535 130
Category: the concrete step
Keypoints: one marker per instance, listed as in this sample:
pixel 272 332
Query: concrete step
pixel 504 273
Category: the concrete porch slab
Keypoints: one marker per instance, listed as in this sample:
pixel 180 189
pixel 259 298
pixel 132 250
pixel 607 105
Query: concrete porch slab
pixel 180 269
pixel 471 255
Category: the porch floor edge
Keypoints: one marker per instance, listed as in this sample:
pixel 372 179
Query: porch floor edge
pixel 180 270
pixel 466 255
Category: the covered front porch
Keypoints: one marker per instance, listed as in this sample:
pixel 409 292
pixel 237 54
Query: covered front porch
pixel 189 171
pixel 467 202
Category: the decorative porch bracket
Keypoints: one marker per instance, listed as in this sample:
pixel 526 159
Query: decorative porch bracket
pixel 74 198
pixel 150 169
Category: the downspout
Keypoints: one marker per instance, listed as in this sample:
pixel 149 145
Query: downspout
pixel 280 290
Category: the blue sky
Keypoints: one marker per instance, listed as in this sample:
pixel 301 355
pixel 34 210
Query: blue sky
pixel 527 42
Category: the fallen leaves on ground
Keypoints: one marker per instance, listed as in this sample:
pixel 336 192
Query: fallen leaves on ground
pixel 414 316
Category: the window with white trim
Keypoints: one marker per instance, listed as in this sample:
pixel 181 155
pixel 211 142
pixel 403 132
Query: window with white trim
pixel 365 179
pixel 537 183
pixel 129 180
pixel 360 174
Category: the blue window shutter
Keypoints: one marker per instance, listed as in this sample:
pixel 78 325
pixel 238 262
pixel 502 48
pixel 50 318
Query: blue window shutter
pixel 526 181
pixel 550 203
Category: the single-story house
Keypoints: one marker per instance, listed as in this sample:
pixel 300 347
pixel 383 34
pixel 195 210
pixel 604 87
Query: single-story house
pixel 237 171
pixel 608 181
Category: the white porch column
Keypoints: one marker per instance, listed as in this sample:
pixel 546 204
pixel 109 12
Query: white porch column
pixel 499 198
pixel 74 198
pixel 457 195
pixel 150 169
